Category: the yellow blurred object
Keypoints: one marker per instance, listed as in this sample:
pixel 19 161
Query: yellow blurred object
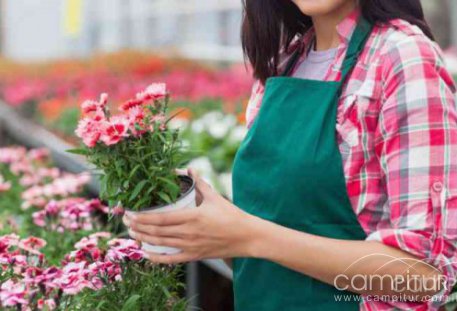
pixel 73 17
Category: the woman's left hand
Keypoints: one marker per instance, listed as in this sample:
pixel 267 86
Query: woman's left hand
pixel 215 229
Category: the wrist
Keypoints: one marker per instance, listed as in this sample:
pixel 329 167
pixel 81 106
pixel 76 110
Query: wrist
pixel 256 237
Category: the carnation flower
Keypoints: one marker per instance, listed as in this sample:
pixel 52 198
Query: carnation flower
pixel 10 239
pixel 89 106
pixel 153 92
pixel 32 245
pixel 74 278
pixel 121 249
pixel 39 154
pixel 130 104
pixel 12 294
pixel 4 185
pixel 115 130
pixel 90 131
pixel 48 304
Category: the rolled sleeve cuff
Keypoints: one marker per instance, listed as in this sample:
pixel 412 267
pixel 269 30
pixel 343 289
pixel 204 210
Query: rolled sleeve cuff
pixel 432 250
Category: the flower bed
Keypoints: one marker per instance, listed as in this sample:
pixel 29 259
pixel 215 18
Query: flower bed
pixel 58 252
pixel 211 101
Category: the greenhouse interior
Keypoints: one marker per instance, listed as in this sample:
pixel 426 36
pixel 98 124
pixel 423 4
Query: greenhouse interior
pixel 59 221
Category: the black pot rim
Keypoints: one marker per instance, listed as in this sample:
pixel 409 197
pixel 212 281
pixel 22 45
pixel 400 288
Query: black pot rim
pixel 181 177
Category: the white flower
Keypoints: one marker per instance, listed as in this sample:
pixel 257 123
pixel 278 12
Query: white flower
pixel 225 181
pixel 220 127
pixel 238 133
pixel 203 167
pixel 198 126
pixel 177 123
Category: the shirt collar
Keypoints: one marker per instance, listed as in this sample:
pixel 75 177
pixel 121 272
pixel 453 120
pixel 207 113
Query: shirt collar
pixel 345 29
pixel 347 26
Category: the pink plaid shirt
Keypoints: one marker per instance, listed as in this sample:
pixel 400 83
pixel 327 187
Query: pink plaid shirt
pixel 397 133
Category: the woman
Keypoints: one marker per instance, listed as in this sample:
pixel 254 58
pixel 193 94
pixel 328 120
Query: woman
pixel 347 179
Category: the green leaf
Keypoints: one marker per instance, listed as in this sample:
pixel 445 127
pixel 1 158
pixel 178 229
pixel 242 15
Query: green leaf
pixel 79 151
pixel 169 182
pixel 132 303
pixel 165 197
pixel 138 189
pixel 135 169
pixel 101 304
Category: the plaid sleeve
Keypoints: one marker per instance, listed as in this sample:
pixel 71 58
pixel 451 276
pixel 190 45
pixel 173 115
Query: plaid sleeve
pixel 254 102
pixel 416 143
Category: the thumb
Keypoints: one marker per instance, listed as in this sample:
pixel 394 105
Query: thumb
pixel 202 186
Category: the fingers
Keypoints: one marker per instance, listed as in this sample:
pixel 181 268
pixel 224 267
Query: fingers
pixel 184 172
pixel 170 259
pixel 161 219
pixel 155 240
pixel 201 185
pixel 158 231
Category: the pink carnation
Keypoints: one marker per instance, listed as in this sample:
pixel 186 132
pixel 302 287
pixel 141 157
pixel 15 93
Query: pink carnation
pixel 74 278
pixel 90 131
pixel 12 294
pixel 115 130
pixel 89 106
pixel 153 92
pixel 48 304
pixel 4 185
pixel 39 154
pixel 130 104
pixel 32 245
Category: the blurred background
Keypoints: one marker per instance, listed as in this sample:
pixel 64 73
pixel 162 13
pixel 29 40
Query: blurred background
pixel 56 53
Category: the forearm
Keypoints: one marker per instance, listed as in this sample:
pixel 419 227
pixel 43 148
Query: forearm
pixel 328 260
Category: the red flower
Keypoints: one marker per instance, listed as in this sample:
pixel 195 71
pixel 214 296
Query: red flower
pixel 115 130
pixel 132 103
pixel 153 92
pixel 90 131
pixel 32 245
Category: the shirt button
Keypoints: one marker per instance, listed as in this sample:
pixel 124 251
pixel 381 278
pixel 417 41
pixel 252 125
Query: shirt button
pixel 437 186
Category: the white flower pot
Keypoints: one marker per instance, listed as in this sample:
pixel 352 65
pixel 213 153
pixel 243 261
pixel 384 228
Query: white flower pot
pixel 187 200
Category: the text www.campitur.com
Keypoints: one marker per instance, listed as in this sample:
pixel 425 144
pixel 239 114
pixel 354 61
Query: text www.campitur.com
pixel 386 298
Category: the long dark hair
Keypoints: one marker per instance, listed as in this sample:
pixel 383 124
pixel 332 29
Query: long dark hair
pixel 270 25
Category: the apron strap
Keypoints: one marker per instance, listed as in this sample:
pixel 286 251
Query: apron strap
pixel 292 62
pixel 358 41
pixel 356 45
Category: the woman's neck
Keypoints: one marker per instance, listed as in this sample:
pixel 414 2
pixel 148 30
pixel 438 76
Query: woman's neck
pixel 325 26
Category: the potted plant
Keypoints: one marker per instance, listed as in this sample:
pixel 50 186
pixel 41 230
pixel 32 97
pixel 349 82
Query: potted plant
pixel 137 155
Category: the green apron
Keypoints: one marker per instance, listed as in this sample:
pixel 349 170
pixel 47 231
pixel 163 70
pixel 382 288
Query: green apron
pixel 289 171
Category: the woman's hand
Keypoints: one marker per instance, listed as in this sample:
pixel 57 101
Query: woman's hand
pixel 215 229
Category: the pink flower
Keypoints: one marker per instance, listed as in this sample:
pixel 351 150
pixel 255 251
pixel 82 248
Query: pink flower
pixel 4 185
pixel 10 239
pixel 12 294
pixel 39 218
pixel 89 130
pixel 89 106
pixel 40 154
pixel 87 254
pixel 115 130
pixel 74 278
pixel 49 277
pixel 117 211
pixel 50 304
pixel 12 154
pixel 32 245
pixel 121 249
pixel 100 235
pixel 130 104
pixel 107 269
pixel 155 91
pixel 52 208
